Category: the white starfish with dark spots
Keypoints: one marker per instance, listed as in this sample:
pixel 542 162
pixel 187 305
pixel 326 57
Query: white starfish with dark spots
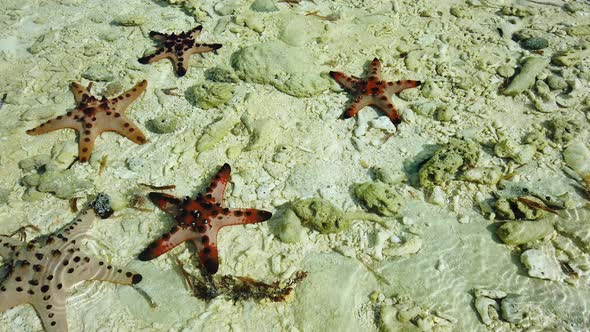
pixel 373 91
pixel 44 271
pixel 178 48
pixel 94 116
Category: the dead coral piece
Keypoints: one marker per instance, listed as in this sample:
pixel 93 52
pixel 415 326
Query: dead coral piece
pixel 524 207
pixel 244 288
pixel 447 161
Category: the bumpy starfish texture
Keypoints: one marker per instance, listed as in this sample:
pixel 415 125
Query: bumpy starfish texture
pixel 199 221
pixel 372 91
pixel 94 116
pixel 44 271
pixel 178 48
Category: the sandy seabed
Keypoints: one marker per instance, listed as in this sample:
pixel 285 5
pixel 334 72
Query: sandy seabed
pixel 265 103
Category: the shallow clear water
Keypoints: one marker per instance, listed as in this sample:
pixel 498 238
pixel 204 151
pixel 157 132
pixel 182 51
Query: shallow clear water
pixel 395 225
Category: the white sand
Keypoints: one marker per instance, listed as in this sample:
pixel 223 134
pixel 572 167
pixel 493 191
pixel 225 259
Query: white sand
pixel 323 156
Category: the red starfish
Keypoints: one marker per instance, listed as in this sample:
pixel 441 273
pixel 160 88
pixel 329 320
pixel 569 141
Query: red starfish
pixel 94 116
pixel 373 91
pixel 178 48
pixel 199 220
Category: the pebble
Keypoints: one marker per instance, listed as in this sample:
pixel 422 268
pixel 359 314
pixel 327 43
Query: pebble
pixel 534 43
pixel 163 124
pixel 505 71
pixel 264 6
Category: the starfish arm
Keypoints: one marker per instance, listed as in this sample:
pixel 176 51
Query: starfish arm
pixel 167 203
pixel 208 253
pixel 167 242
pixel 90 268
pixel 80 92
pixel 60 122
pixel 9 297
pixel 399 86
pixel 241 217
pixel 204 48
pixel 122 126
pixel 360 102
pixel 8 245
pixel 158 36
pixel 122 102
pixel 349 83
pixel 375 70
pixel 86 143
pixel 53 313
pixel 79 226
pixel 195 32
pixel 181 64
pixel 154 57
pixel 387 106
pixel 215 191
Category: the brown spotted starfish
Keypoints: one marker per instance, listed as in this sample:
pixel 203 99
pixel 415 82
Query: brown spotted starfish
pixel 199 220
pixel 94 116
pixel 373 91
pixel 44 271
pixel 178 48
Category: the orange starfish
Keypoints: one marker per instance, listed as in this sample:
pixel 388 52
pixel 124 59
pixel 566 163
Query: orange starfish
pixel 94 116
pixel 199 220
pixel 178 48
pixel 373 91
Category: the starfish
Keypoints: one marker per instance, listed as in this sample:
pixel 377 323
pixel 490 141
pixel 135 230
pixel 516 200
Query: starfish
pixel 44 271
pixel 94 116
pixel 373 91
pixel 199 220
pixel 178 48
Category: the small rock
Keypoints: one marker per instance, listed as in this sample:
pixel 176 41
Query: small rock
pixel 505 71
pixel 534 43
pixel 289 227
pixel 564 130
pixel 222 74
pixel 379 197
pixel 4 196
pixel 163 124
pixel 98 73
pixel 579 30
pixel 291 70
pixel 556 82
pixel 513 308
pixel 131 20
pixel 321 215
pixel 487 309
pixel 44 41
pixel 63 184
pixel 484 175
pixel 571 57
pixel 527 76
pixel 216 132
pixel 541 265
pixel 521 232
pixel 209 94
pixel 102 206
pixel 264 6
pixel 444 114
pixel 35 162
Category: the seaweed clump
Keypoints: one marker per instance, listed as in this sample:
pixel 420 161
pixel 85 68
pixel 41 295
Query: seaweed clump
pixel 448 160
pixel 245 288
